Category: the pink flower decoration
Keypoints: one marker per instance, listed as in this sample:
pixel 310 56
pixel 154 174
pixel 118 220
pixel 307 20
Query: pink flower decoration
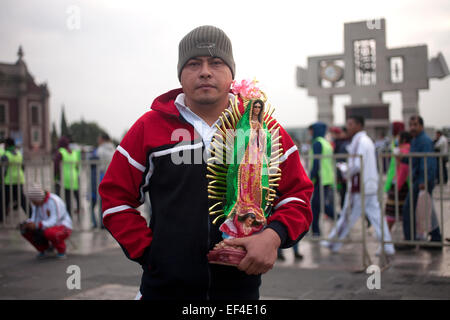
pixel 247 89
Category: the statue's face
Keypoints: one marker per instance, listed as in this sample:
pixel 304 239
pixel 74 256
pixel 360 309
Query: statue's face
pixel 249 221
pixel 257 109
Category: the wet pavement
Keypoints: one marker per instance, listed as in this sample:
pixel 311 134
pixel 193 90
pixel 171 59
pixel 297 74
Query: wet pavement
pixel 105 272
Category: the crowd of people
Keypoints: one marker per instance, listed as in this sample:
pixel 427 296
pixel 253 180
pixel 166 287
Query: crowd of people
pixel 49 221
pixel 352 140
pixel 172 249
pixel 348 140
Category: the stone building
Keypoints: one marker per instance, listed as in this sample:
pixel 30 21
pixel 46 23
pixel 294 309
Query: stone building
pixel 24 109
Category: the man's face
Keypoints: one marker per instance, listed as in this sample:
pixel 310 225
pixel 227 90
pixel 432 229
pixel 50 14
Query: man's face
pixel 37 203
pixel 206 80
pixel 342 135
pixel 352 127
pixel 334 135
pixel 415 127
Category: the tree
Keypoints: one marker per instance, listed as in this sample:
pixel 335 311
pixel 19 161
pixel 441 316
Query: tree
pixel 64 128
pixel 85 132
pixel 54 137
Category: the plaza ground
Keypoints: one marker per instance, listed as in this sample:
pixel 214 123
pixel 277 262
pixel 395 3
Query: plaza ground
pixel 107 274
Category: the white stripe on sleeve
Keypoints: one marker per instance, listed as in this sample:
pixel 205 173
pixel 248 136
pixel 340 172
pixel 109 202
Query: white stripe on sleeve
pixel 116 209
pixel 133 162
pixel 287 200
pixel 288 153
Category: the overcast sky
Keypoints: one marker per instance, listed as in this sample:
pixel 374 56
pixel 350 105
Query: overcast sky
pixel 109 65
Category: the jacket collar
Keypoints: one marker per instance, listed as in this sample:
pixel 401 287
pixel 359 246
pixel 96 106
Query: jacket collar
pixel 421 134
pixel 358 135
pixel 166 102
pixel 47 196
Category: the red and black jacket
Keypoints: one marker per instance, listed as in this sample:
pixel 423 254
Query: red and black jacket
pixel 173 248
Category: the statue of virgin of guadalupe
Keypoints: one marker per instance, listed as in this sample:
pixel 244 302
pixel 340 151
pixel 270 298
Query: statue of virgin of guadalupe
pixel 245 184
pixel 247 177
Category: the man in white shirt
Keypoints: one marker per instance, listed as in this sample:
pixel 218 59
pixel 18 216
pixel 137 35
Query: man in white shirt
pixel 441 145
pixel 105 152
pixel 50 223
pixel 361 144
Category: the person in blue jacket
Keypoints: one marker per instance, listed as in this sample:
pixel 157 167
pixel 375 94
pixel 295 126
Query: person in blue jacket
pixel 420 143
pixel 321 173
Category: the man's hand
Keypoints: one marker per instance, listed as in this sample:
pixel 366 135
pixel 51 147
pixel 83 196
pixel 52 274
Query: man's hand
pixel 30 226
pixel 26 226
pixel 261 251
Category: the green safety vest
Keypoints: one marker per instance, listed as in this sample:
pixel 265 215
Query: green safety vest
pixel 70 168
pixel 391 171
pixel 14 172
pixel 326 163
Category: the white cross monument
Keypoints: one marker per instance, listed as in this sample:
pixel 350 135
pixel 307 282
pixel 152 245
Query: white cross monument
pixel 365 70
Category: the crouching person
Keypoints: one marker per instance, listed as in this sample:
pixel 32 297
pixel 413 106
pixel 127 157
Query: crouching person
pixel 50 224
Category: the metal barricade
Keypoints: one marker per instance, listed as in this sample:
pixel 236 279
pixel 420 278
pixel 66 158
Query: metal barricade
pixel 422 164
pixel 396 239
pixel 83 202
pixel 89 214
pixel 12 197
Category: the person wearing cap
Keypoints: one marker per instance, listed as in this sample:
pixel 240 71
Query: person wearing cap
pixel 397 127
pixel 392 174
pixel 50 224
pixel 163 154
pixel 322 174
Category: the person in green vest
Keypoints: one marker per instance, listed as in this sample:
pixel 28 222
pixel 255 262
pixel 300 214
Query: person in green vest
pixel 13 179
pixel 397 177
pixel 2 153
pixel 66 162
pixel 397 127
pixel 321 174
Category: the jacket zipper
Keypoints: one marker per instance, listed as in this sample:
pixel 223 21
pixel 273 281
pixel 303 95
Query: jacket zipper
pixel 208 243
pixel 207 216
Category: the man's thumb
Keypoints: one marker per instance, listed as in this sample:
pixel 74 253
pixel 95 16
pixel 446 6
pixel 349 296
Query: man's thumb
pixel 234 242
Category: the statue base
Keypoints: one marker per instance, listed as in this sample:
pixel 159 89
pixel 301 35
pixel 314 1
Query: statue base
pixel 226 255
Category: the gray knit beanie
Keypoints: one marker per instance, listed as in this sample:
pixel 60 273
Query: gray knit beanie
pixel 205 41
pixel 35 192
